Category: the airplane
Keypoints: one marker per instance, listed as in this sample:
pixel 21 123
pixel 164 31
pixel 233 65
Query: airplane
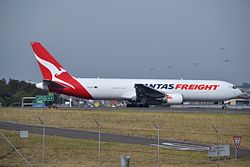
pixel 137 92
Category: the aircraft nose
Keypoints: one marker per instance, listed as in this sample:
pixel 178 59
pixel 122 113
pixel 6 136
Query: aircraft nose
pixel 238 92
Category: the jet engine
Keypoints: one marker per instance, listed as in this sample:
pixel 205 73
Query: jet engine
pixel 173 98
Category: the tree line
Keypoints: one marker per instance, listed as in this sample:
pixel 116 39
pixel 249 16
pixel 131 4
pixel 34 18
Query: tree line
pixel 11 92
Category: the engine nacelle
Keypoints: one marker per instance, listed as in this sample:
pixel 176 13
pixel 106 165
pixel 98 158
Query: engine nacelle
pixel 42 85
pixel 173 98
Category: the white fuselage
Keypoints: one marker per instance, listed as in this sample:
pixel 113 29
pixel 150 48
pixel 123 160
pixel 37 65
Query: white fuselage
pixel 191 90
pixel 137 91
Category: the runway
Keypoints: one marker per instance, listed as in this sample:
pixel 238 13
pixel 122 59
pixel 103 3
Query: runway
pixel 107 137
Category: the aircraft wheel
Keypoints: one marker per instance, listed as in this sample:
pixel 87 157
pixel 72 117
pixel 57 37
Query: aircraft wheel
pixel 131 105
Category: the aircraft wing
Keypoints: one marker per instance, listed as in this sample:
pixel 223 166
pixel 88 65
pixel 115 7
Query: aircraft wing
pixel 147 94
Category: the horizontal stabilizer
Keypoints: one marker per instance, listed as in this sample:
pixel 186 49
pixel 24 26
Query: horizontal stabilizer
pixel 53 84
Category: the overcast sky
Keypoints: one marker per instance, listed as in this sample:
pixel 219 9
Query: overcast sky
pixel 128 39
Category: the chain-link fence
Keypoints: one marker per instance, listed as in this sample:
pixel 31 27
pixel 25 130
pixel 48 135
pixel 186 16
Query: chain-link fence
pixel 61 151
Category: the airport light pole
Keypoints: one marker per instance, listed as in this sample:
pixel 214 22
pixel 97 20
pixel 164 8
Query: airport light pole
pixel 196 65
pixel 151 72
pixel 226 61
pixel 43 143
pixel 221 63
pixel 158 143
pixel 169 69
pixel 99 140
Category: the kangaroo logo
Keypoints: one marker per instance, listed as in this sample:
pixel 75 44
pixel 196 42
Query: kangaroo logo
pixel 60 72
pixel 55 72
pixel 168 97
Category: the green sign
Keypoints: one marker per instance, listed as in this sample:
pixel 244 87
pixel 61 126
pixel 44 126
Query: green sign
pixel 37 102
pixel 45 98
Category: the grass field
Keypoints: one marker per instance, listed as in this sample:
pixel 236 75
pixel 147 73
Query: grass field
pixel 66 152
pixel 74 152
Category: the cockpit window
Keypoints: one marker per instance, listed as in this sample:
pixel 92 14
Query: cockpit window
pixel 232 87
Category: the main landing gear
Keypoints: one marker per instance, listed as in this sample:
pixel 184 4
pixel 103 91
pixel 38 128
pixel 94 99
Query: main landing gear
pixel 137 105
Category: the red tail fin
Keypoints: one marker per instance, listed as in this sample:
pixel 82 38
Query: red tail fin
pixel 46 61
pixel 53 71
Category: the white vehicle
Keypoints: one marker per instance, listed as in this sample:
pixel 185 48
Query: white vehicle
pixel 138 92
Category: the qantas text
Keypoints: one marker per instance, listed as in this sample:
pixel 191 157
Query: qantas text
pixel 184 86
